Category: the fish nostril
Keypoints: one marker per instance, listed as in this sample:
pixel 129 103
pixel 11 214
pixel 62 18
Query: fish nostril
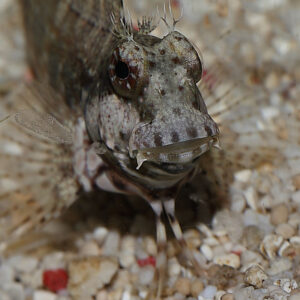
pixel 174 137
pixel 158 140
pixel 192 132
pixel 208 130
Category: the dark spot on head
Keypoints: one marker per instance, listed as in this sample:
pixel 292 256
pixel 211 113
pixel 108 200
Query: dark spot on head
pixel 124 137
pixel 136 48
pixel 118 184
pixel 176 60
pixel 195 104
pixel 178 38
pixel 117 148
pixel 162 51
pixel 175 137
pixel 180 88
pixel 177 111
pixel 146 144
pixel 31 201
pixel 45 184
pixel 151 64
pixel 39 210
pixel 192 132
pixel 239 156
pixel 162 92
pixel 42 172
pixel 157 140
pixel 208 130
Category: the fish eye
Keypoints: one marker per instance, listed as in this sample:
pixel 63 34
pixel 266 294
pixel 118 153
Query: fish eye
pixel 121 69
pixel 190 54
pixel 125 70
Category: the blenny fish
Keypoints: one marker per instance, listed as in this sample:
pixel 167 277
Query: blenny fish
pixel 111 107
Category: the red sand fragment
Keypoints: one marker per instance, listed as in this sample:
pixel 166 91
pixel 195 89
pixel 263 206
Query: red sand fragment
pixel 150 260
pixel 55 280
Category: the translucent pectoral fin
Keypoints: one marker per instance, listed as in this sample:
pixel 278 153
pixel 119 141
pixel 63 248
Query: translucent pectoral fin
pixel 36 170
pixel 44 125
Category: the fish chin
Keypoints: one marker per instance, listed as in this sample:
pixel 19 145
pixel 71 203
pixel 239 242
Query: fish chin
pixel 177 153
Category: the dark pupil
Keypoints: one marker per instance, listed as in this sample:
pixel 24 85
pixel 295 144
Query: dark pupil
pixel 122 70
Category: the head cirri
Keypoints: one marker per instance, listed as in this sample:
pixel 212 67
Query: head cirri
pixel 153 116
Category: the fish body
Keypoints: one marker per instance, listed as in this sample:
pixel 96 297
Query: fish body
pixel 151 127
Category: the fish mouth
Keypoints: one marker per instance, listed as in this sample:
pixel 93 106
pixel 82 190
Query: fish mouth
pixel 177 153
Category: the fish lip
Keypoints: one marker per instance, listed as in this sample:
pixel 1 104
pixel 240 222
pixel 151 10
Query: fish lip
pixel 177 153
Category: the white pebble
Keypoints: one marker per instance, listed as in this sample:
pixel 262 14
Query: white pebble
pixel 44 295
pixel 285 230
pixel 238 203
pixel 251 217
pixel 231 222
pixel 126 295
pixel 270 244
pixel 100 233
pixel 211 241
pixel 205 230
pixel 269 112
pixel 279 265
pixel 15 291
pixel 4 296
pixel 286 284
pixel 231 260
pixel 219 295
pixel 6 274
pixel 88 275
pixel 207 252
pixel 255 276
pixel 102 295
pixel 23 263
pixel 146 275
pixel 284 249
pixel 174 267
pixel 150 246
pixel 251 197
pixel 266 201
pixel 294 219
pixel 295 240
pixel 244 293
pixel 209 292
pixel 111 244
pixel 250 258
pixel 90 248
pixel 243 176
pixel 33 279
pixel 54 261
pixel 296 197
pixel 200 258
pixel 127 257
pixel 283 46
